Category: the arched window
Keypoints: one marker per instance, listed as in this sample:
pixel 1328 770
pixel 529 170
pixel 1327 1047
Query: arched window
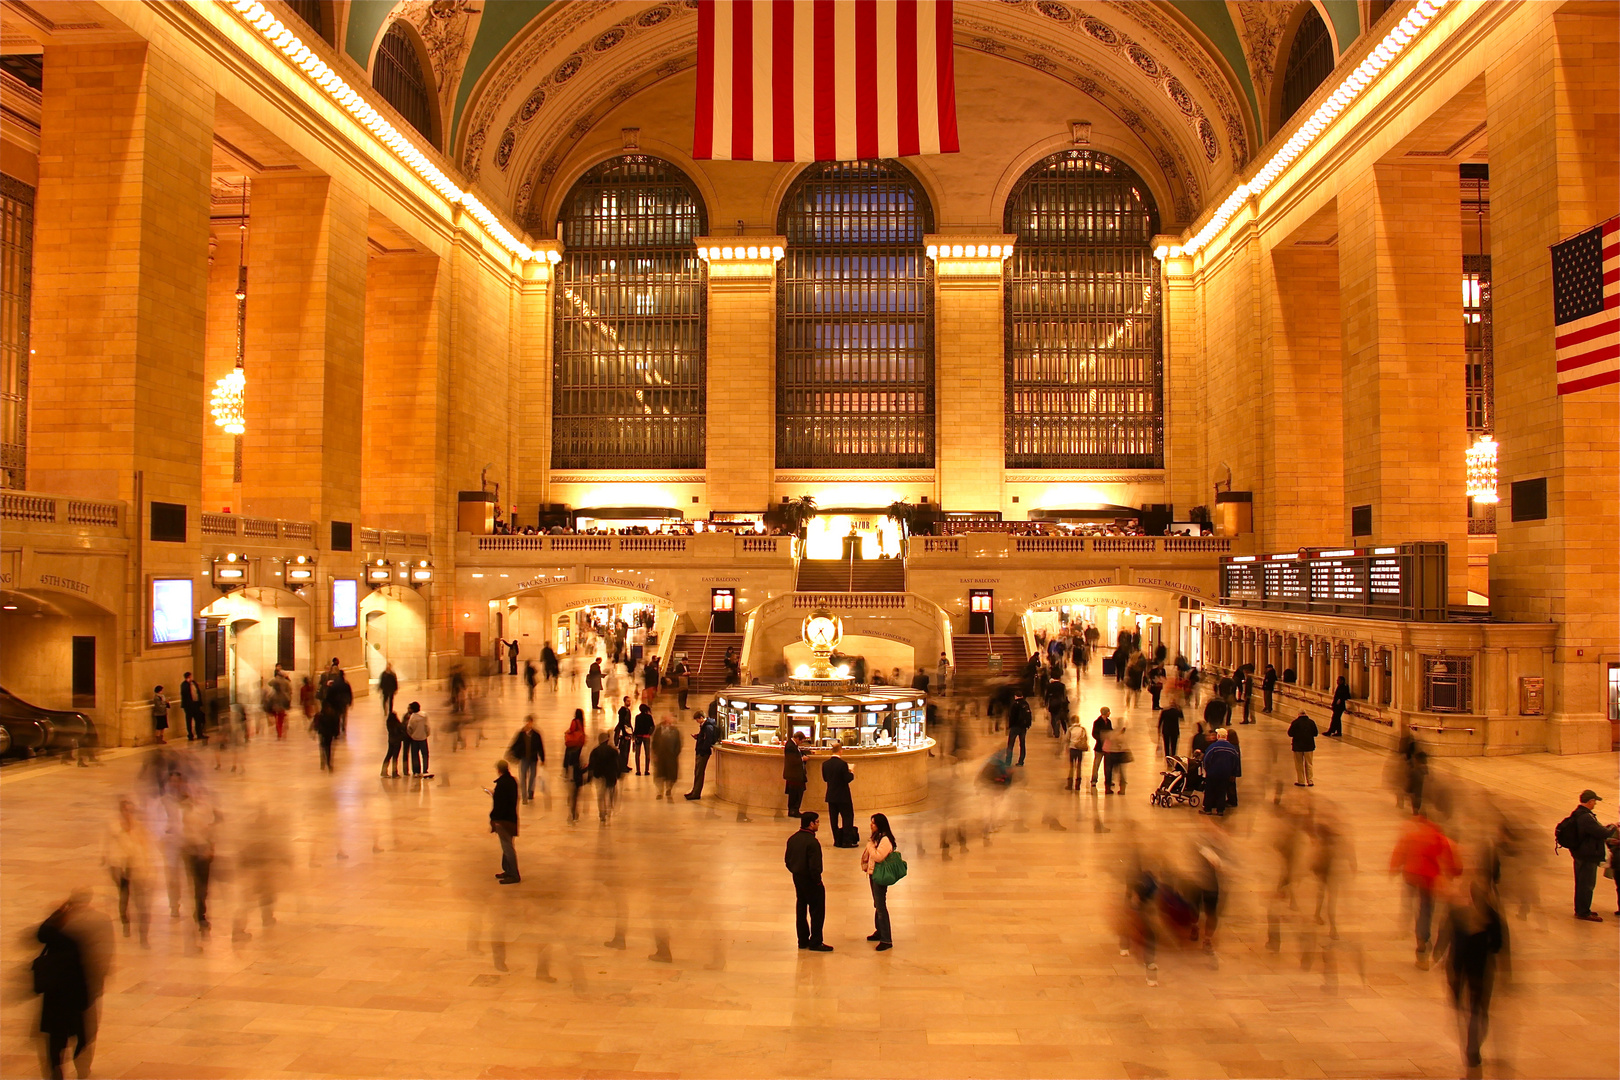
pixel 1310 59
pixel 855 321
pixel 399 78
pixel 628 366
pixel 1085 385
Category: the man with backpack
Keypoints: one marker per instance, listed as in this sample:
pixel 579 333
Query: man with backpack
pixel 1587 840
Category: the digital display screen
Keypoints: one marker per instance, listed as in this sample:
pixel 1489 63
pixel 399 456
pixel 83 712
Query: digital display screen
pixel 172 614
pixel 345 604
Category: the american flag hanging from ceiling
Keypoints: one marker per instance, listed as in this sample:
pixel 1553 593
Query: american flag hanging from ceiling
pixel 1586 308
pixel 824 80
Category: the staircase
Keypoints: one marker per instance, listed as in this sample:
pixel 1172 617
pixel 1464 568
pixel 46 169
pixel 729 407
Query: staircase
pixel 844 575
pixel 973 653
pixel 706 659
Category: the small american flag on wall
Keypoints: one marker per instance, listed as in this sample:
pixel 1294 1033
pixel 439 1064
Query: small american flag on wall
pixel 1586 308
pixel 824 80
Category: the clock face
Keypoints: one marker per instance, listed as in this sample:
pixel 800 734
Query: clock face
pixel 820 631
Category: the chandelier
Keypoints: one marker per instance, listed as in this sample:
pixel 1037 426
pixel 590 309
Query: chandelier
pixel 229 401
pixel 1481 460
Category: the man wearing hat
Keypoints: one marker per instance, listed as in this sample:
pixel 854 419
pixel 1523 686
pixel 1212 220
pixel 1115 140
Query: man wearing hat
pixel 803 860
pixel 1590 849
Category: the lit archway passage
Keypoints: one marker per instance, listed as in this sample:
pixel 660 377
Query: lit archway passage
pixel 628 378
pixel 1085 383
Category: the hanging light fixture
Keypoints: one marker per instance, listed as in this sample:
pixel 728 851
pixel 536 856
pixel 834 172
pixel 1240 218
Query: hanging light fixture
pixel 230 393
pixel 1482 470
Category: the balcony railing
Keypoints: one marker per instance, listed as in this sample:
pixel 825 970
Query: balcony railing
pixel 1075 545
pixel 717 544
pixel 276 530
pixel 60 510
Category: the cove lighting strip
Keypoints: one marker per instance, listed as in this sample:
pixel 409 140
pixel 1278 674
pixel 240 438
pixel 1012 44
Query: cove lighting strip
pixel 283 40
pixel 1394 43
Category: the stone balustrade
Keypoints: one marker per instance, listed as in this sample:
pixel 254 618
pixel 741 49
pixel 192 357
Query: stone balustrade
pixel 62 510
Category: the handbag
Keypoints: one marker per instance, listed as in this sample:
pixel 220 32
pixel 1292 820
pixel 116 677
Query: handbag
pixel 890 870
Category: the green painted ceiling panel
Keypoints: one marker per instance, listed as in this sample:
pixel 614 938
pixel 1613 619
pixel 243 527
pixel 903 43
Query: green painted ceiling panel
pixel 366 18
pixel 1212 18
pixel 1346 21
pixel 501 24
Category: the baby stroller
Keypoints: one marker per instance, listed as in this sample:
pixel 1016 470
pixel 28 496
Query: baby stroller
pixel 1179 785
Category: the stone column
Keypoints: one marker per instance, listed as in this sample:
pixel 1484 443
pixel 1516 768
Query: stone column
pixel 1555 167
pixel 120 278
pixel 403 435
pixel 740 391
pixel 537 313
pixel 1400 269
pixel 305 340
pixel 1185 471
pixel 970 369
pixel 1302 422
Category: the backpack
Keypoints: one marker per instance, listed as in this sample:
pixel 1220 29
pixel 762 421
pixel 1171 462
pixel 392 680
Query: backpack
pixel 1566 834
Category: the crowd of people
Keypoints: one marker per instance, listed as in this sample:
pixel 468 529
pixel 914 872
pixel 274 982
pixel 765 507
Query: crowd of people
pixel 1464 860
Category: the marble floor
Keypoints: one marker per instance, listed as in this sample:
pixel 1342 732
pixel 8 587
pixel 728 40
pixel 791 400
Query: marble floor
pixel 660 945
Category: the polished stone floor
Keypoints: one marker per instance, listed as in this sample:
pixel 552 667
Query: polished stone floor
pixel 661 944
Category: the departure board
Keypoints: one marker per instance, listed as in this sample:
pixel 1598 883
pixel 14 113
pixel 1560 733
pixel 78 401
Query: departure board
pixel 1405 581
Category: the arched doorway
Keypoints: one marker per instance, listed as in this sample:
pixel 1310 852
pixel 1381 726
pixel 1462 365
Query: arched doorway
pixel 61 652
pixel 1153 613
pixel 394 630
pixel 263 627
pixel 564 616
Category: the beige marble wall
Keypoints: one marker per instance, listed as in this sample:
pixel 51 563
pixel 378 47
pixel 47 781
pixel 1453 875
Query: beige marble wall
pixel 1554 111
pixel 1400 259
pixel 403 440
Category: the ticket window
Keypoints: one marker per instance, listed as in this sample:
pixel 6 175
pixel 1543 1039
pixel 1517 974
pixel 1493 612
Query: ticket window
pixel 981 611
pixel 722 611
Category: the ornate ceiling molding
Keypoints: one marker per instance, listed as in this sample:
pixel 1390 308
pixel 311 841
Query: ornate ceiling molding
pixel 581 59
pixel 1260 26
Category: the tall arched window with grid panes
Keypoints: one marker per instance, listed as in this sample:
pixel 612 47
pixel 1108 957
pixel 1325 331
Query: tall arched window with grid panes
pixel 628 362
pixel 1084 356
pixel 855 321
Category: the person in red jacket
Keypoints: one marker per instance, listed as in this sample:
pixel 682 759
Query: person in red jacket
pixel 1425 858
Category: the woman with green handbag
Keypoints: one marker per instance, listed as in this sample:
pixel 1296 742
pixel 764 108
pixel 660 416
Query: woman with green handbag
pixel 884 867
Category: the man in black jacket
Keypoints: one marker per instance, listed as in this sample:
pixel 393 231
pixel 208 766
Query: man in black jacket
pixel 1303 733
pixel 1589 849
pixel 1019 719
pixel 387 686
pixel 803 861
pixel 840 806
pixel 1268 686
pixel 605 769
pixel 707 735
pixel 191 707
pixel 1170 730
pixel 528 749
pixel 1100 728
pixel 794 777
pixel 503 821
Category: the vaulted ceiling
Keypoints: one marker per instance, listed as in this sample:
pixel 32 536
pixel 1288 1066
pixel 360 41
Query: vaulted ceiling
pixel 520 82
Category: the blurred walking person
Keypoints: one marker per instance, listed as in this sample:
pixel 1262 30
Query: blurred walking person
pixel 129 858
pixel 327 724
pixel 503 820
pixel 666 757
pixel 69 974
pixel 528 749
pixel 605 770
pixel 1170 729
pixel 198 821
pixel 387 687
pixel 1425 859
pixel 1471 940
pixel 880 844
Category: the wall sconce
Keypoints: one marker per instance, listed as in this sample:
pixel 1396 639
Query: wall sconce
pixel 231 570
pixel 378 574
pixel 422 572
pixel 300 571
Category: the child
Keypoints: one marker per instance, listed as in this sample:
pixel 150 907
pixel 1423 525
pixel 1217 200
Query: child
pixel 160 714
pixel 1077 752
